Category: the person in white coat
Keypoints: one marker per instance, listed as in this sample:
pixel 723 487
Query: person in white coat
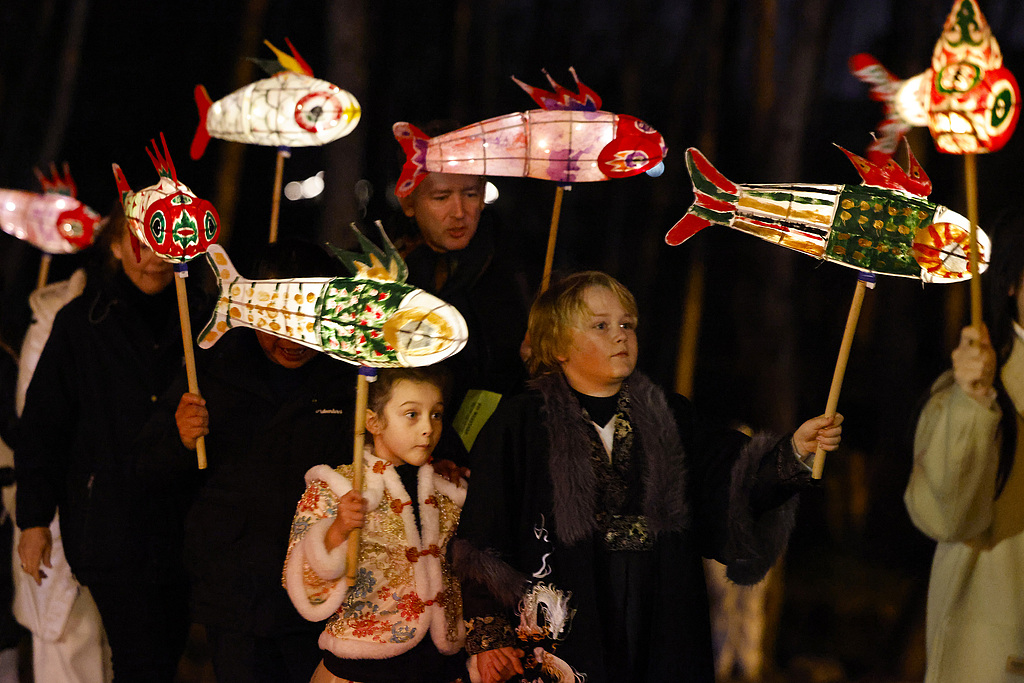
pixel 966 489
pixel 68 641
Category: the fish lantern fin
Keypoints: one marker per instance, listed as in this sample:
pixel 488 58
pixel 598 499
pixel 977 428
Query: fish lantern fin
pixel 202 136
pixel 136 246
pixel 122 183
pixel 715 198
pixel 163 164
pixel 414 143
pixel 55 183
pixel 373 263
pixel 884 88
pixel 561 98
pixel 294 64
pixel 220 319
pixel 916 180
pixel 871 173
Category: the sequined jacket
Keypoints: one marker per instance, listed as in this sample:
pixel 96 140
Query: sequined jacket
pixel 404 588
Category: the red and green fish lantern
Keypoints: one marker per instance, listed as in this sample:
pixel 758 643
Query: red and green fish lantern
pixel 168 217
pixel 374 318
pixel 968 99
pixel 884 225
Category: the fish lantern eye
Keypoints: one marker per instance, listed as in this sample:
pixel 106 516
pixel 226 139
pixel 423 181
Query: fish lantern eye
pixel 210 227
pixel 318 111
pixel 1001 109
pixel 158 227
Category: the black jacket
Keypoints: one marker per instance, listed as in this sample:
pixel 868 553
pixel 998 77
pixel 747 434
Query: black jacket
pixel 112 353
pixel 268 426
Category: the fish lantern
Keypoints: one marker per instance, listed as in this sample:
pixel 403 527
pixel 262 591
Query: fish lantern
pixel 568 140
pixel 884 225
pixel 168 217
pixel 291 108
pixel 54 221
pixel 373 319
pixel 968 99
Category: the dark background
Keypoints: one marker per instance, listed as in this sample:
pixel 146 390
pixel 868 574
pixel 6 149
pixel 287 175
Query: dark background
pixel 760 86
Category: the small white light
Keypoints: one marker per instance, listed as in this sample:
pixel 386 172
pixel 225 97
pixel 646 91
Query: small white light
pixel 10 206
pixel 313 185
pixel 293 190
pixel 490 193
pixel 60 203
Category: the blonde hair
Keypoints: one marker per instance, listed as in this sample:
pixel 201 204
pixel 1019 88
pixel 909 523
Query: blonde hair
pixel 556 311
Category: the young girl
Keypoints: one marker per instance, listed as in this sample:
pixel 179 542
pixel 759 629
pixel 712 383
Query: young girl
pixel 402 620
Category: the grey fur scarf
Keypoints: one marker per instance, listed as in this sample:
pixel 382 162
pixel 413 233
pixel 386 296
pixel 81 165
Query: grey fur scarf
pixel 574 482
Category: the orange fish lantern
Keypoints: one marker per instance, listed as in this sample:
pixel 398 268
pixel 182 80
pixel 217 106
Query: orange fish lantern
pixel 568 140
pixel 968 99
pixel 168 217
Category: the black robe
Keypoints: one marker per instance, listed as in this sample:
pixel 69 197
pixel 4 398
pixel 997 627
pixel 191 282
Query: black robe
pixel 532 516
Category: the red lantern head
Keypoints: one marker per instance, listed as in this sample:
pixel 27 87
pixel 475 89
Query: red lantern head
pixel 636 147
pixel 78 225
pixel 974 102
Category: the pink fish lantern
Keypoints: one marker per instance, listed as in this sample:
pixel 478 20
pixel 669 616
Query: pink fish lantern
pixel 289 109
pixel 53 221
pixel 569 140
pixel 168 217
pixel 968 99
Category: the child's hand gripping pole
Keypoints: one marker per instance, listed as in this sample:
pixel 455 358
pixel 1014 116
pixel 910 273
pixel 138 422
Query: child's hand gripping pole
pixel 366 375
pixel 864 281
pixel 181 271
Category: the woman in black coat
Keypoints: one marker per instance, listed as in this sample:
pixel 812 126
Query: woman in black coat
pixel 112 353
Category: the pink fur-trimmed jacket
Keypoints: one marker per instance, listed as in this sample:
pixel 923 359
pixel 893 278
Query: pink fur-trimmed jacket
pixel 404 586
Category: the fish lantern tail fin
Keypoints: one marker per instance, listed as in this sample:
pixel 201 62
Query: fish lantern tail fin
pixel 884 89
pixel 715 198
pixel 220 319
pixel 202 136
pixel 414 144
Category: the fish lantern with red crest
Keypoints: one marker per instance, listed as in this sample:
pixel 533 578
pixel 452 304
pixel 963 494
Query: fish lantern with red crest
pixel 168 217
pixel 968 99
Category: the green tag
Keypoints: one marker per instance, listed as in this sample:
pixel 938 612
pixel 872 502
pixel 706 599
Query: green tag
pixel 475 410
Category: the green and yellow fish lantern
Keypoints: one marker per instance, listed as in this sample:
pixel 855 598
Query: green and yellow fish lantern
pixel 374 318
pixel 884 225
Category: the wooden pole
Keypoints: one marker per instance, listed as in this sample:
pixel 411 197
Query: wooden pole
pixel 44 271
pixel 275 205
pixel 181 272
pixel 971 181
pixel 549 258
pixel 864 280
pixel 366 375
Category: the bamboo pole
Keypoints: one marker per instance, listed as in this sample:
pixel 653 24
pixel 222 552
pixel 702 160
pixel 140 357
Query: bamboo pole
pixel 864 280
pixel 971 182
pixel 181 272
pixel 44 271
pixel 549 257
pixel 366 375
pixel 275 205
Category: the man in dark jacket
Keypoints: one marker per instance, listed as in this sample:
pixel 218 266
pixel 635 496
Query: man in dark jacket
pixel 270 410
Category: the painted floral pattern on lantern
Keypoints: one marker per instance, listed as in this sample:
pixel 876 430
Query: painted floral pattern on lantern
pixel 353 317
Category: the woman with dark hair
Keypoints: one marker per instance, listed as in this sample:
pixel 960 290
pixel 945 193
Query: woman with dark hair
pixel 112 352
pixel 964 491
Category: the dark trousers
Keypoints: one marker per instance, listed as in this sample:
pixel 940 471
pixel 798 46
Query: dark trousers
pixel 240 657
pixel 147 626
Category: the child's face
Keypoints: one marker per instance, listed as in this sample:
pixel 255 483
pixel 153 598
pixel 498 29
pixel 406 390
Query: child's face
pixel 604 349
pixel 410 425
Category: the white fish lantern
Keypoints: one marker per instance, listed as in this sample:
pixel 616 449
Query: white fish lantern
pixel 54 221
pixel 373 319
pixel 291 108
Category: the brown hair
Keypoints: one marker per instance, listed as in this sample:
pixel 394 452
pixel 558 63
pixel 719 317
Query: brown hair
pixel 556 311
pixel 384 386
